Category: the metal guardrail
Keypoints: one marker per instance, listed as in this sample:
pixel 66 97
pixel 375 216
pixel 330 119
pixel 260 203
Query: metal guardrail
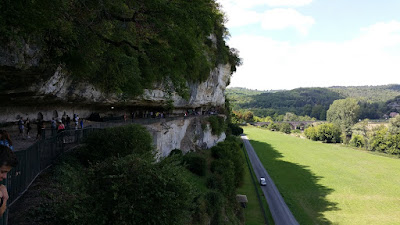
pixel 33 160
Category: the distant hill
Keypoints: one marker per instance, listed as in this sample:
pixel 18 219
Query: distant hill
pixel 314 102
pixel 370 94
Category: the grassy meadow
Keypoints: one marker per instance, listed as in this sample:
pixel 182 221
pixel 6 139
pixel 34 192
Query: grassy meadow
pixel 330 183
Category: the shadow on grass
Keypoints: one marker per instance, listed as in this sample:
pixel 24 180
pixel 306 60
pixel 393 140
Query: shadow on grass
pixel 297 185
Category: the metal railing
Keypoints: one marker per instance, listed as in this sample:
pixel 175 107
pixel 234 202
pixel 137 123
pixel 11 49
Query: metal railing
pixel 33 160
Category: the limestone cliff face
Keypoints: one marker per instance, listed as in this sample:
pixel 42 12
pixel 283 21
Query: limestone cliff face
pixel 208 93
pixel 185 134
pixel 23 56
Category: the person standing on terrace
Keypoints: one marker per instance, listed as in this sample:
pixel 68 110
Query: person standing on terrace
pixel 5 139
pixel 8 160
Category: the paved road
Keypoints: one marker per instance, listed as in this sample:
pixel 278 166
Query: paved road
pixel 279 210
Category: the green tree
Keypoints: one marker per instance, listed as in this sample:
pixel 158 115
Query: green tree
pixel 329 133
pixel 394 125
pixel 311 133
pixel 379 139
pixel 290 117
pixel 285 128
pixel 248 116
pixel 343 112
pixel 273 126
pixel 357 141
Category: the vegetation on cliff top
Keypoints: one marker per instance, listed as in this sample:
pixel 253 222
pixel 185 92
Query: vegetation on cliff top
pixel 123 46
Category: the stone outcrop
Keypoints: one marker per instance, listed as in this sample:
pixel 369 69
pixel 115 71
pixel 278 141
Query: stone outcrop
pixel 20 56
pixel 185 134
pixel 208 93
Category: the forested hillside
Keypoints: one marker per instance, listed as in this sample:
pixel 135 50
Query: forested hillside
pixel 119 46
pixel 369 94
pixel 374 101
pixel 302 101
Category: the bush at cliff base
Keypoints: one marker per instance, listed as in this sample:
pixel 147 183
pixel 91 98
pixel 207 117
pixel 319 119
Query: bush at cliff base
pixel 126 190
pixel 195 163
pixel 130 189
pixel 117 142
pixel 230 150
pixel 217 124
pixel 235 129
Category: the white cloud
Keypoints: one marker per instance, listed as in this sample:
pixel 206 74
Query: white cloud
pixel 238 17
pixel 288 2
pixel 277 19
pixel 366 60
pixel 255 3
pixel 240 14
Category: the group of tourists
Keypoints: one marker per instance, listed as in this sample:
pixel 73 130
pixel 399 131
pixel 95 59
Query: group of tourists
pixel 65 123
pixel 27 123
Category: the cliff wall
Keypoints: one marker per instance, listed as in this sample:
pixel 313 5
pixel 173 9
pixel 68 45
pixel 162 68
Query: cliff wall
pixel 187 134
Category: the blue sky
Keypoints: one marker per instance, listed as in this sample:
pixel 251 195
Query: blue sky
pixel 287 44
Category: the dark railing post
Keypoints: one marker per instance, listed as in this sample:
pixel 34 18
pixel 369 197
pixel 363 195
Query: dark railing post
pixel 62 140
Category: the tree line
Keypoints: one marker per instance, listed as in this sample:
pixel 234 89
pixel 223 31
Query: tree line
pixel 374 102
pixel 344 125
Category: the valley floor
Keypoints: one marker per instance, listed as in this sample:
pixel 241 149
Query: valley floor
pixel 330 184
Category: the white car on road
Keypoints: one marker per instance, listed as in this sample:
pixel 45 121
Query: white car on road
pixel 263 182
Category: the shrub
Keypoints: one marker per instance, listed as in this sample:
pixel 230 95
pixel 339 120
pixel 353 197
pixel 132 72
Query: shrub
pixel 329 133
pixel 394 147
pixel 217 125
pixel 285 128
pixel 296 131
pixel 230 150
pixel 326 132
pixel 357 141
pixel 216 202
pixel 176 152
pixel 311 133
pixel 117 142
pixel 273 126
pixel 125 190
pixel 379 139
pixel 215 182
pixel 235 129
pixel 70 201
pixel 195 163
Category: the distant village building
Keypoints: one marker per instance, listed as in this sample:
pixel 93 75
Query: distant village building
pixel 393 114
